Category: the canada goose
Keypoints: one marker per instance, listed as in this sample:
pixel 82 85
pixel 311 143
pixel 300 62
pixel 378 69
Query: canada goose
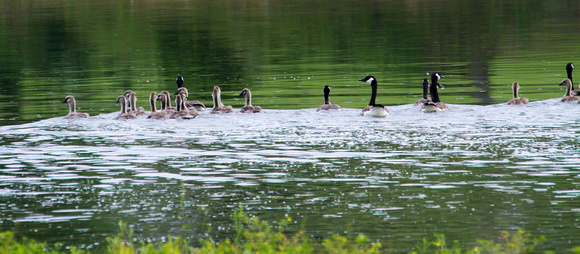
pixel 182 112
pixel 327 105
pixel 183 100
pixel 72 104
pixel 435 104
pixel 198 105
pixel 124 115
pixel 218 107
pixel 568 97
pixel 517 100
pixel 248 108
pixel 373 109
pixel 195 104
pixel 569 69
pixel 154 113
pixel 425 93
pixel 132 104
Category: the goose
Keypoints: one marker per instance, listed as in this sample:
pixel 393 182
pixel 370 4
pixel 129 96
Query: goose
pixel 167 102
pixel 569 69
pixel 73 114
pixel 373 109
pixel 132 104
pixel 182 112
pixel 183 100
pixel 218 107
pixel 124 115
pixel 198 105
pixel 248 108
pixel 327 105
pixel 195 104
pixel 435 104
pixel 517 100
pixel 568 97
pixel 154 113
pixel 425 93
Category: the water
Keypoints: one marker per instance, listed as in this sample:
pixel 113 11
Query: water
pixel 468 173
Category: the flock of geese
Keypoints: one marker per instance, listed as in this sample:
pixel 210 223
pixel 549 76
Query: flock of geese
pixel 185 109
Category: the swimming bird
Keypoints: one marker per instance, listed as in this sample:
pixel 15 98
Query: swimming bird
pixel 167 102
pixel 435 104
pixel 248 108
pixel 327 105
pixel 425 93
pixel 72 104
pixel 182 92
pixel 568 97
pixel 182 111
pixel 198 105
pixel 124 115
pixel 373 109
pixel 569 69
pixel 218 107
pixel 154 113
pixel 132 104
pixel 517 100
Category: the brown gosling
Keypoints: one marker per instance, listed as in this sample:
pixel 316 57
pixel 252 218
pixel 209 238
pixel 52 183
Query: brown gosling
pixel 132 104
pixel 73 114
pixel 218 107
pixel 517 100
pixel 568 97
pixel 124 115
pixel 327 105
pixel 154 113
pixel 198 105
pixel 192 107
pixel 182 112
pixel 248 108
pixel 425 98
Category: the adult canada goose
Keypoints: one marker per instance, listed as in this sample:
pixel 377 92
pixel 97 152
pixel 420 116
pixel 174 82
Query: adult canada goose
pixel 248 108
pixel 327 105
pixel 124 114
pixel 72 104
pixel 132 104
pixel 517 100
pixel 568 97
pixel 182 111
pixel 154 113
pixel 198 105
pixel 425 98
pixel 218 107
pixel 373 109
pixel 435 104
pixel 195 104
pixel 569 69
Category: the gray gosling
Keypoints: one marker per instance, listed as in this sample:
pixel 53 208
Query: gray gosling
pixel 568 97
pixel 154 113
pixel 124 115
pixel 248 108
pixel 517 100
pixel 72 104
pixel 218 107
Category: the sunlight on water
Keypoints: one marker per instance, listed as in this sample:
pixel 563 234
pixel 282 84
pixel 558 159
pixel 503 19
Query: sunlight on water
pixel 395 170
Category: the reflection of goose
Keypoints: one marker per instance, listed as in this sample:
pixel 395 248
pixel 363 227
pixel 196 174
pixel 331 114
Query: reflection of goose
pixel 124 115
pixel 218 107
pixel 248 108
pixel 435 104
pixel 373 109
pixel 568 97
pixel 517 100
pixel 154 113
pixel 327 105
pixel 72 104
pixel 198 105
pixel 132 104
pixel 425 98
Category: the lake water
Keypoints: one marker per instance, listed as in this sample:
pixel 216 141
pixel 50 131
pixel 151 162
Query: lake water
pixel 468 173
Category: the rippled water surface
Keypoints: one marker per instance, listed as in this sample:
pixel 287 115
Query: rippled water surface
pixel 467 173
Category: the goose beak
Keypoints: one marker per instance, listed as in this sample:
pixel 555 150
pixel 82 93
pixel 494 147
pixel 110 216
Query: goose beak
pixel 64 100
pixel 362 79
pixel 561 84
pixel 176 92
pixel 440 86
pixel 242 94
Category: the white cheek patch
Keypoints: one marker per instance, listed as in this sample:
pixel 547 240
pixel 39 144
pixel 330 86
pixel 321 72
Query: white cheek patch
pixel 438 76
pixel 370 80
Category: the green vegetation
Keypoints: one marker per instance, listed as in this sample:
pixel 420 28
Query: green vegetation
pixel 256 236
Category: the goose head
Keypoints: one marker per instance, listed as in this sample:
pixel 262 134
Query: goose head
pixel 182 89
pixel 435 77
pixel 569 69
pixel 369 79
pixel 245 92
pixel 69 99
pixel 326 89
pixel 566 82
pixel 179 81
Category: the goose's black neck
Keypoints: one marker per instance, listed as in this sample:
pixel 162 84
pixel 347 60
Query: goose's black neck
pixel 179 81
pixel 374 86
pixel 326 95
pixel 433 87
pixel 569 69
pixel 425 88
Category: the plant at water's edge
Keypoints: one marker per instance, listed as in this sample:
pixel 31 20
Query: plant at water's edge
pixel 25 246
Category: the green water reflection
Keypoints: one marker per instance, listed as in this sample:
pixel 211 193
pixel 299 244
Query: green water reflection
pixel 284 51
